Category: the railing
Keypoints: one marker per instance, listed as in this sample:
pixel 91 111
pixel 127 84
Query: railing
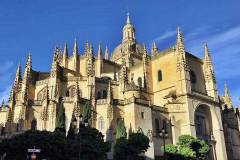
pixel 101 101
pixel 42 82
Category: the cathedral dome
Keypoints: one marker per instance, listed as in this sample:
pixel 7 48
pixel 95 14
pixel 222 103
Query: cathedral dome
pixel 135 49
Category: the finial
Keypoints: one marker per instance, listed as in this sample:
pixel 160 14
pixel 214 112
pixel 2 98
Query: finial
pixel 106 53
pixel 179 35
pixel 100 51
pixel 65 52
pixel 128 18
pixel 29 61
pixel 75 48
pixel 3 103
pixel 86 49
pixel 154 46
pixel 226 91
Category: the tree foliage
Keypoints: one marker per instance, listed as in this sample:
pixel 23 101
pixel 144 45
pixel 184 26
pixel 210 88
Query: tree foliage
pixel 87 113
pixel 121 130
pixel 60 119
pixel 89 142
pixel 50 143
pixel 132 148
pixel 55 145
pixel 187 147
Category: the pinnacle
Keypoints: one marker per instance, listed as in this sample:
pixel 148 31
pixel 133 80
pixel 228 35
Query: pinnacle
pixel 75 48
pixel 65 52
pixel 100 51
pixel 106 53
pixel 128 18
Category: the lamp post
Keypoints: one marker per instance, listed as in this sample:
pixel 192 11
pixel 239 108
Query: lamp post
pixel 163 134
pixel 80 124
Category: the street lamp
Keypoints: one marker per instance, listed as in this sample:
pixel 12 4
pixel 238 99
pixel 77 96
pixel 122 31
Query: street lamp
pixel 80 125
pixel 163 134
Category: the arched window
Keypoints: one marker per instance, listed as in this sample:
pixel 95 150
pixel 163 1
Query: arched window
pixel 159 75
pixel 72 91
pixel 164 125
pixel 140 82
pixel 193 77
pixel 101 123
pixel 98 95
pixel 42 94
pixel 67 94
pixel 104 94
pixel 157 126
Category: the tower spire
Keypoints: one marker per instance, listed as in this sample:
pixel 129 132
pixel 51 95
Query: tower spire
pixel 65 56
pixel 106 53
pixel 209 74
pixel 54 63
pixel 180 44
pixel 207 57
pixel 128 31
pixel 128 18
pixel 65 51
pixel 75 48
pixel 100 51
pixel 18 76
pixel 29 62
pixel 181 59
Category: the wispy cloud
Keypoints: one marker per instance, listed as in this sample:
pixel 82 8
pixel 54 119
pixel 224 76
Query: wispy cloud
pixel 224 46
pixel 164 36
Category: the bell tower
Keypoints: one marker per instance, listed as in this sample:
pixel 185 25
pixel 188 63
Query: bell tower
pixel 128 31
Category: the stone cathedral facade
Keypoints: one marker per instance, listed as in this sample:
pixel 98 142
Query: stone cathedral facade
pixel 172 89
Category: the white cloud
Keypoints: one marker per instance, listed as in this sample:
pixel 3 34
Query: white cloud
pixel 224 47
pixel 165 36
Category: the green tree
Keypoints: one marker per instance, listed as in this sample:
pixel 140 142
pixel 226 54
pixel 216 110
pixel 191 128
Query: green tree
pixel 187 147
pixel 132 148
pixel 50 143
pixel 138 143
pixel 60 119
pixel 90 143
pixel 87 113
pixel 121 130
pixel 121 149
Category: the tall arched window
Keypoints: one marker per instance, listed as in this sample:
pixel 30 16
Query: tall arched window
pixel 98 95
pixel 157 126
pixel 104 94
pixel 193 77
pixel 101 123
pixel 159 75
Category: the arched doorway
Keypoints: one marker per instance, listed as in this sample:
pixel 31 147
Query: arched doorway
pixel 204 128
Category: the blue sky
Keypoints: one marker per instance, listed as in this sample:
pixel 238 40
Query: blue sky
pixel 37 26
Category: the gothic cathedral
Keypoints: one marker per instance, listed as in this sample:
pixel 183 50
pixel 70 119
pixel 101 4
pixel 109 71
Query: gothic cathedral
pixel 172 89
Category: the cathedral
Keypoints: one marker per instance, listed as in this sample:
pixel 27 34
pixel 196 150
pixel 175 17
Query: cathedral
pixel 170 89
